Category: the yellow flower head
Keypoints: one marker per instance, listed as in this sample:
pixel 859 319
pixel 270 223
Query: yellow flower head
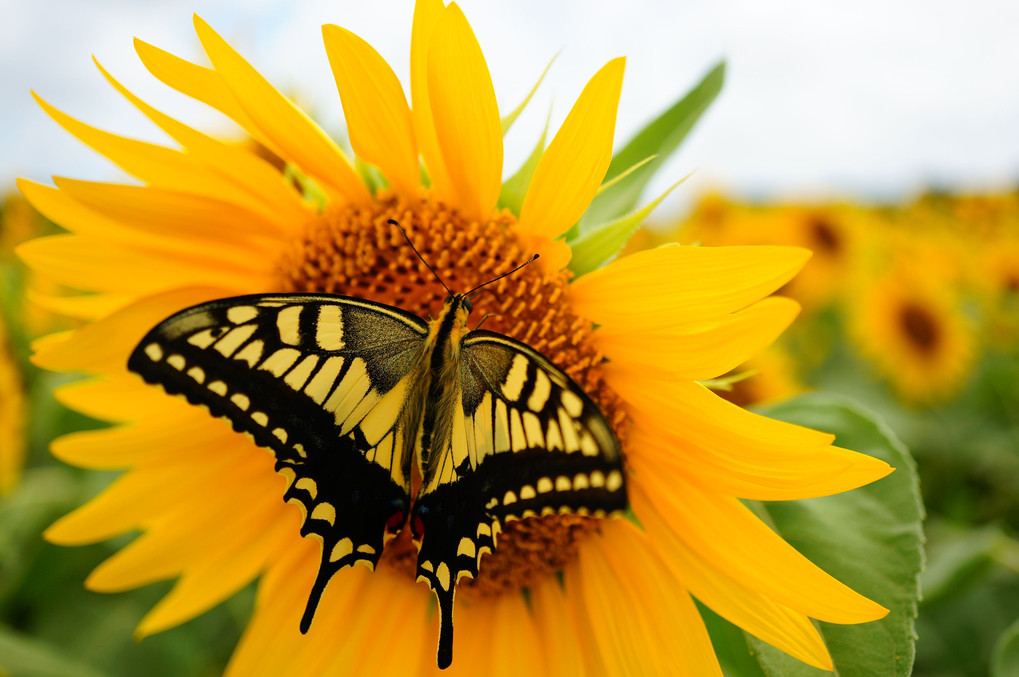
pixel 12 417
pixel 212 220
pixel 909 321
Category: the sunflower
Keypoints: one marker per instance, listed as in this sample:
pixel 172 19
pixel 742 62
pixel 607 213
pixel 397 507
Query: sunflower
pixel 910 322
pixel 12 417
pixel 560 594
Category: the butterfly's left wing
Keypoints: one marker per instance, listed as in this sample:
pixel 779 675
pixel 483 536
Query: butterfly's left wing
pixel 525 441
pixel 325 382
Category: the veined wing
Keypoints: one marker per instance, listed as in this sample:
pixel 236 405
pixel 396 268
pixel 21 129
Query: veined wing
pixel 525 441
pixel 322 381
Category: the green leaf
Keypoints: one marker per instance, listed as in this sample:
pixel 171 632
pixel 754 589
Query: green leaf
pixel 508 121
pixel 1005 659
pixel 597 246
pixel 511 196
pixel 661 137
pixel 21 656
pixel 869 538
pixel 958 559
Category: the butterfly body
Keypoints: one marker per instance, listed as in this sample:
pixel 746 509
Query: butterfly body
pixel 349 395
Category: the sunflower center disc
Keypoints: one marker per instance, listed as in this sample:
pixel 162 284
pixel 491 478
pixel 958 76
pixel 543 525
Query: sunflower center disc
pixel 355 251
pixel 920 327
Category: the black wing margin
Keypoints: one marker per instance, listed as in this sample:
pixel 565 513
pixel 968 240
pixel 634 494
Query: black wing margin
pixel 322 382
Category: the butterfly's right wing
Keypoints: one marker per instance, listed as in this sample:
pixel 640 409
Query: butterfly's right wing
pixel 322 381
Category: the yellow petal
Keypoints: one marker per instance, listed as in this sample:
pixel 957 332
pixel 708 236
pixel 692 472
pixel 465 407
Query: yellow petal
pixel 297 137
pixel 206 583
pixel 378 117
pixel 695 413
pixel 559 635
pixel 236 513
pixel 117 399
pixel 148 212
pixel 737 470
pixel 465 114
pixel 629 600
pixel 152 440
pixel 60 207
pixel 734 541
pixel 703 350
pixel 673 285
pixel 141 496
pixel 426 18
pixel 96 264
pixel 103 346
pixel 82 307
pixel 154 164
pixel 198 82
pixel 574 164
pixel 259 179
pixel 777 625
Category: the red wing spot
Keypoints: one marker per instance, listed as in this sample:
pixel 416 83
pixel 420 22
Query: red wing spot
pixel 394 523
pixel 417 528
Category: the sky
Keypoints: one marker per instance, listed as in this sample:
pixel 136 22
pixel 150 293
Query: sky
pixel 869 99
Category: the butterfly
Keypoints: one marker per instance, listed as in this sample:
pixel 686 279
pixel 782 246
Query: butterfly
pixel 348 393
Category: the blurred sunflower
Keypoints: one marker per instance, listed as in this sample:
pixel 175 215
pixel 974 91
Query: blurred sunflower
pixel 910 323
pixel 998 287
pixel 561 595
pixel 12 417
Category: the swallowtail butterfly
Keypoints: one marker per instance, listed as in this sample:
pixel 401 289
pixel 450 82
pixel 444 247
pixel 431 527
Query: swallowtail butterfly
pixel 348 393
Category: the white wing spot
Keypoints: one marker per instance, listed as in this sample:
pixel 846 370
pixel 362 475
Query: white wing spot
pixel 581 482
pixel 510 497
pixel 562 483
pixel 614 480
pixel 229 344
pixel 442 575
pixel 288 322
pixel 202 339
pixel 526 492
pixel 365 548
pixel 217 387
pixel 515 378
pixel 544 485
pixel 597 479
pixel 344 547
pixel 574 405
pixel 542 389
pixel 324 511
pixel 280 361
pixel 241 314
pixel 532 429
pixel 251 353
pixel 154 351
pixel 197 373
pixel 241 400
pixel 320 385
pixel 308 484
pixel 260 418
pixel 466 547
pixel 177 362
pixel 329 330
pixel 588 446
pixel 298 376
pixel 280 434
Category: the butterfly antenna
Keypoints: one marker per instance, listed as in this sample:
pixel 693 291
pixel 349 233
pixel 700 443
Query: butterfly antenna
pixel 407 237
pixel 528 261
